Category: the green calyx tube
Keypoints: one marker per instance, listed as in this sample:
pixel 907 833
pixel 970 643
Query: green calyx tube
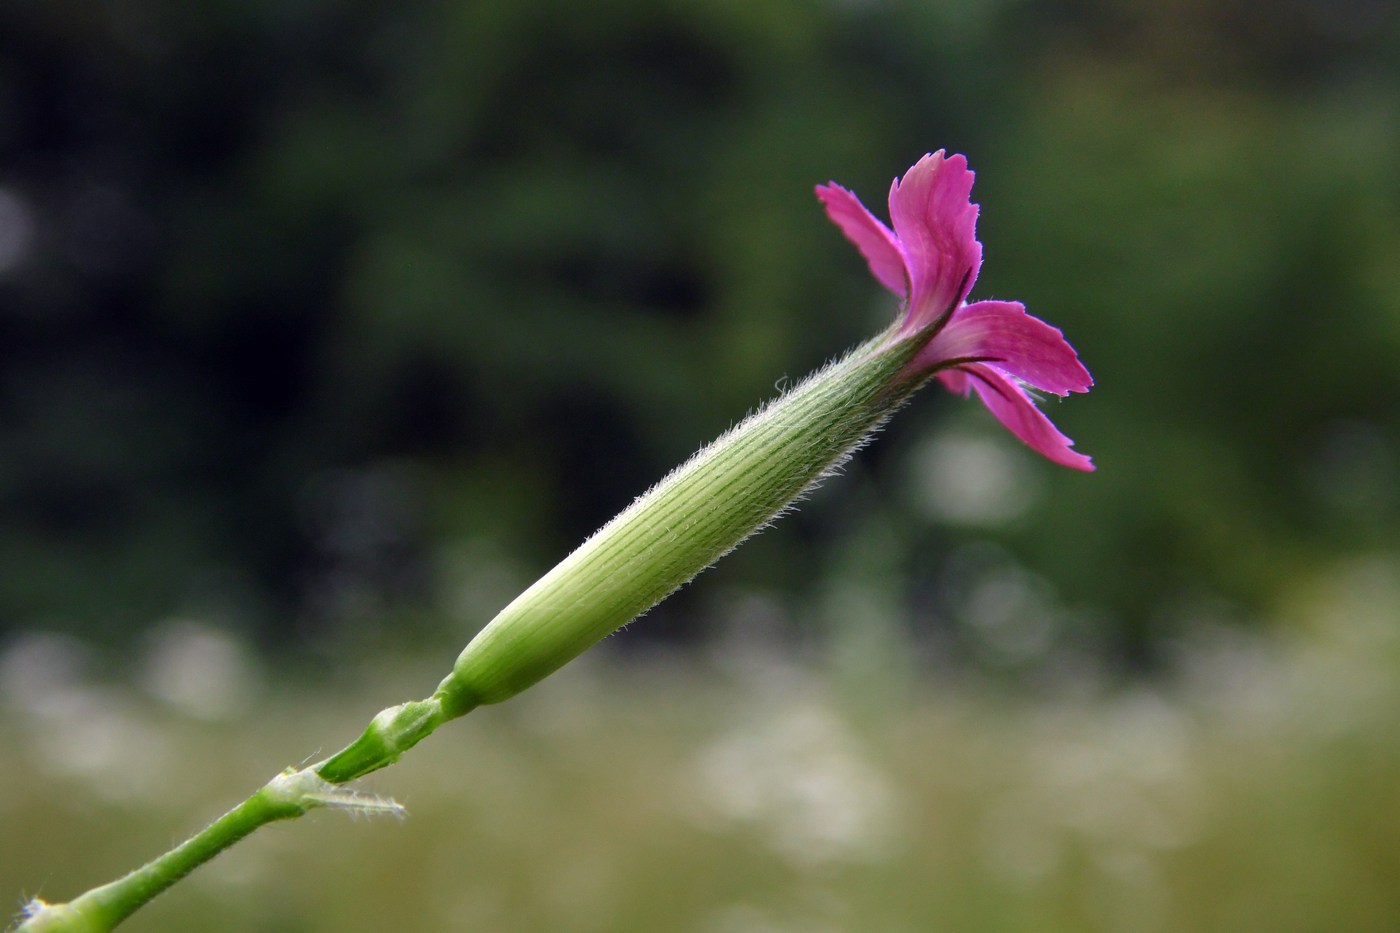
pixel 697 514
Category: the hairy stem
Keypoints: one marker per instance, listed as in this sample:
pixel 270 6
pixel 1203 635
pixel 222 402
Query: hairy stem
pixel 288 795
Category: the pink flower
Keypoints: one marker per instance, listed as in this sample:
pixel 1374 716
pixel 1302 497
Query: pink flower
pixel 930 260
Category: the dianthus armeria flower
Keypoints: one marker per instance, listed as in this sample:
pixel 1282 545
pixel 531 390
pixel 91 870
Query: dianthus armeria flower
pixel 742 481
pixel 708 505
pixel 930 260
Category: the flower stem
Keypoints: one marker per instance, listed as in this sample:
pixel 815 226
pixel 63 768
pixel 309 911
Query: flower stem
pixel 287 796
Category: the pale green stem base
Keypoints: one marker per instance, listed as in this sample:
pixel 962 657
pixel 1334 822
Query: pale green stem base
pixel 288 795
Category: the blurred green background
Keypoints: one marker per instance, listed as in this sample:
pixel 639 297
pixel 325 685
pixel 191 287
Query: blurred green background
pixel 326 326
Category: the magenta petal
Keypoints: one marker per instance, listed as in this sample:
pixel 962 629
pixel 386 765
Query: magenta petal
pixel 937 226
pixel 955 380
pixel 1014 409
pixel 874 240
pixel 1002 333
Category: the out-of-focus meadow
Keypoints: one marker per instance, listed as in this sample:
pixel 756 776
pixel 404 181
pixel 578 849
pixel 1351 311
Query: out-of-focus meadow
pixel 326 326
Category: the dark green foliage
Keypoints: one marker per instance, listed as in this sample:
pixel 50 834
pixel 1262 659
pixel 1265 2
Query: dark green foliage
pixel 309 294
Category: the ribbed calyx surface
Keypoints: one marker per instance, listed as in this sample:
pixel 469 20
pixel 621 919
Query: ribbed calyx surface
pixel 704 508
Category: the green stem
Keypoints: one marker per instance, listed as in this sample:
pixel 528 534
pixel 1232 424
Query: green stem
pixel 288 795
pixel 285 797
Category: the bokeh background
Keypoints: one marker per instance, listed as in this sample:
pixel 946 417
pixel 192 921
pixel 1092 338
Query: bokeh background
pixel 326 326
